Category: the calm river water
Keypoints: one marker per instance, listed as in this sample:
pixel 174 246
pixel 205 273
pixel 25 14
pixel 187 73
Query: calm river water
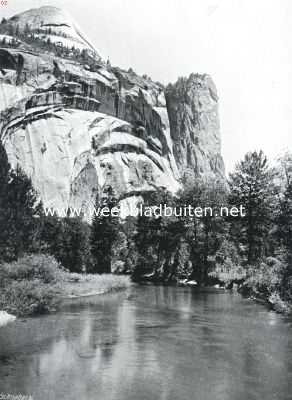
pixel 150 343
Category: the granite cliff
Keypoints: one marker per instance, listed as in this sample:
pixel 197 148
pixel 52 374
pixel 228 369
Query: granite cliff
pixel 76 125
pixel 192 105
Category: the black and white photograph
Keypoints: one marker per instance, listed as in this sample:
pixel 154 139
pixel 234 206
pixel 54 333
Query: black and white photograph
pixel 145 200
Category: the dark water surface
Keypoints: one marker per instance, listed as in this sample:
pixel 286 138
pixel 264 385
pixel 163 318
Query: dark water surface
pixel 156 343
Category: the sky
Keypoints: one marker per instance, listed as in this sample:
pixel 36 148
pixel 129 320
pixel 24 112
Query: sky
pixel 245 45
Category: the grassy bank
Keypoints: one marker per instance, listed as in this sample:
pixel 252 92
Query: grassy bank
pixel 77 285
pixel 266 283
pixel 263 283
pixel 35 284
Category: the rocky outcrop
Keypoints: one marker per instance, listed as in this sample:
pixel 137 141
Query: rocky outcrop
pixel 192 105
pixel 76 125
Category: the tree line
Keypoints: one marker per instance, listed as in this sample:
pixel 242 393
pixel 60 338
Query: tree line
pixel 40 38
pixel 162 248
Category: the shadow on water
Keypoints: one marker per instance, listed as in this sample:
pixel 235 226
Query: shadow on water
pixel 152 342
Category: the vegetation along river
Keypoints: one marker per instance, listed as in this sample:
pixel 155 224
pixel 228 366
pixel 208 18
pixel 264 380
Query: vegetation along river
pixel 150 343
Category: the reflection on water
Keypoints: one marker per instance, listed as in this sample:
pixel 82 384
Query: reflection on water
pixel 150 343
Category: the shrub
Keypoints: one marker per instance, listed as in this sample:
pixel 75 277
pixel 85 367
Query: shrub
pixel 37 266
pixel 27 297
pixel 118 267
pixel 28 286
pixel 266 278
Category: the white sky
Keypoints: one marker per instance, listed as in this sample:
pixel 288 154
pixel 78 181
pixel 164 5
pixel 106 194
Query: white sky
pixel 245 45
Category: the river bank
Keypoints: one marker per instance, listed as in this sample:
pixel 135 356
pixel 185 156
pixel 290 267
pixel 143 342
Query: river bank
pixel 256 283
pixel 37 284
pixel 263 283
pixel 71 286
pixel 84 285
pixel 272 300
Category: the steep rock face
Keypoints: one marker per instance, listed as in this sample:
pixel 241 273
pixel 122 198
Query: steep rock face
pixel 72 154
pixel 76 125
pixel 192 105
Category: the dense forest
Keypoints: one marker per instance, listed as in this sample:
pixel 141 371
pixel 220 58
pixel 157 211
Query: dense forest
pixel 254 251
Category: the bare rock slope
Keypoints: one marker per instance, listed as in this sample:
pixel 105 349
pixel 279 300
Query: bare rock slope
pixel 76 125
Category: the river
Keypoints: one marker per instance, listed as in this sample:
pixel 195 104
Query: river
pixel 150 343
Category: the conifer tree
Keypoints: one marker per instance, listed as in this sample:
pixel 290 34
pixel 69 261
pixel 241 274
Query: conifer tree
pixel 67 240
pixel 74 244
pixel 204 231
pixel 23 210
pixel 251 185
pixel 104 232
pixel 157 238
pixel 4 221
pixel 19 209
pixel 52 236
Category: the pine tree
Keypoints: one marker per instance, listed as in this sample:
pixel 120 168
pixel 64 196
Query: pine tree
pixel 157 239
pixel 146 242
pixel 4 221
pixel 67 239
pixel 23 211
pixel 52 234
pixel 4 168
pixel 103 234
pixel 19 210
pixel 17 30
pixel 206 231
pixel 251 185
pixel 11 30
pixel 75 244
pixel 26 29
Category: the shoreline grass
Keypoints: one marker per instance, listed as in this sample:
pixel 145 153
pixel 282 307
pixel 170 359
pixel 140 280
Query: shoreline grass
pixel 36 284
pixel 81 285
